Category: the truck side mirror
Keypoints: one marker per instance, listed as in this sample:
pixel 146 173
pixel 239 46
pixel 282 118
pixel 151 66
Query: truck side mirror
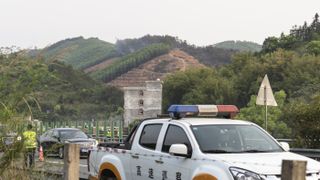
pixel 179 150
pixel 285 146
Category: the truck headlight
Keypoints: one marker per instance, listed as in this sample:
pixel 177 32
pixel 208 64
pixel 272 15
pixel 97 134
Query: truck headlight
pixel 242 174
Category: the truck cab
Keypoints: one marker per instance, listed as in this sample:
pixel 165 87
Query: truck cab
pixel 195 148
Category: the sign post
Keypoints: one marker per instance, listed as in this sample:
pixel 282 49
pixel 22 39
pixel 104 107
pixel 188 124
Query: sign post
pixel 265 97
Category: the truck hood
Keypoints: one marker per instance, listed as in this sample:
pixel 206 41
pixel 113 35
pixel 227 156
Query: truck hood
pixel 264 163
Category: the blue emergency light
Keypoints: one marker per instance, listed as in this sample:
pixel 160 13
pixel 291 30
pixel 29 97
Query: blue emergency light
pixel 183 108
pixel 180 111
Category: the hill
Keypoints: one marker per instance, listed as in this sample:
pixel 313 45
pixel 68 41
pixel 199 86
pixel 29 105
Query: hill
pixel 157 68
pixel 105 61
pixel 128 62
pixel 137 52
pixel 78 52
pixel 54 91
pixel 240 46
pixel 208 55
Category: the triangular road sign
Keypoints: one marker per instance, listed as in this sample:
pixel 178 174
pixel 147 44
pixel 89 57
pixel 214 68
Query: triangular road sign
pixel 265 95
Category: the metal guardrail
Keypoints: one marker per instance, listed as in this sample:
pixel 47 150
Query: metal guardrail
pixel 311 153
pixel 103 130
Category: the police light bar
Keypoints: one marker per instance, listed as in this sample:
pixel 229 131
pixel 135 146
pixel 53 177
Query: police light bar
pixel 180 111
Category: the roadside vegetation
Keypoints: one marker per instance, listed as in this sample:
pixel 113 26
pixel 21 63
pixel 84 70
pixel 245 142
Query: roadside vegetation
pixel 31 89
pixel 54 91
pixel 14 109
pixel 293 69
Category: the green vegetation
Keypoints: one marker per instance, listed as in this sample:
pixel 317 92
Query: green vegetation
pixel 209 55
pixel 129 62
pixel 83 53
pixel 303 118
pixel 197 86
pixel 294 76
pixel 240 45
pixel 31 89
pixel 79 52
pixel 54 91
pixel 256 114
pixel 302 39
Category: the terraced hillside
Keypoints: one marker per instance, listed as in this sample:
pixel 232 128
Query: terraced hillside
pixel 157 68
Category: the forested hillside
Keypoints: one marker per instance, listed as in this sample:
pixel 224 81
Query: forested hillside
pixel 53 91
pixel 129 62
pixel 208 55
pixel 293 69
pixel 302 39
pixel 105 61
pixel 78 52
pixel 240 46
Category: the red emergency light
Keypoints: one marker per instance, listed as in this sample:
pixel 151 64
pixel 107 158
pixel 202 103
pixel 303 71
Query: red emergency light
pixel 226 111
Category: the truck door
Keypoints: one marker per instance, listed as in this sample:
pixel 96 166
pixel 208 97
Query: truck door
pixel 174 167
pixel 142 164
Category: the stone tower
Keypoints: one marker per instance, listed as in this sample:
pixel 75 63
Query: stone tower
pixel 142 102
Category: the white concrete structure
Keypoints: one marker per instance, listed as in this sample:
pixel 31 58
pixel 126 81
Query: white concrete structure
pixel 142 102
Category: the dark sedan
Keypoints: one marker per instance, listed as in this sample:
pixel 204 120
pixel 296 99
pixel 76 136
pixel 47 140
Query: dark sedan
pixel 53 141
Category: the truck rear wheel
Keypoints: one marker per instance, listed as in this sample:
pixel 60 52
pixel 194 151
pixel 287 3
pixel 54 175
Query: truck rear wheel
pixel 107 175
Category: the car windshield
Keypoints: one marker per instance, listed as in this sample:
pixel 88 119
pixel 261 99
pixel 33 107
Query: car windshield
pixel 72 134
pixel 233 139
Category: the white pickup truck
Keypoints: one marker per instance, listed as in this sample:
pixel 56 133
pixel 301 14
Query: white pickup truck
pixel 195 148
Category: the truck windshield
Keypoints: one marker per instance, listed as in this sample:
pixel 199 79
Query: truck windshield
pixel 233 139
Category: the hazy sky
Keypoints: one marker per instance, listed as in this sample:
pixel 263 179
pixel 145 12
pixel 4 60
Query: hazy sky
pixel 29 23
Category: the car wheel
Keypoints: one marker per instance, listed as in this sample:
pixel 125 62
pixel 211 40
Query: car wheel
pixel 61 153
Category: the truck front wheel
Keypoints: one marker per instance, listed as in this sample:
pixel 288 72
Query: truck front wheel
pixel 107 175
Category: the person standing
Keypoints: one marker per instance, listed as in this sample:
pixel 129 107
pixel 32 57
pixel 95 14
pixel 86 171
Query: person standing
pixel 30 145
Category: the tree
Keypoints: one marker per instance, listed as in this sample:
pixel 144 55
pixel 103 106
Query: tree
pixel 313 47
pixel 256 114
pixel 270 44
pixel 303 118
pixel 197 86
